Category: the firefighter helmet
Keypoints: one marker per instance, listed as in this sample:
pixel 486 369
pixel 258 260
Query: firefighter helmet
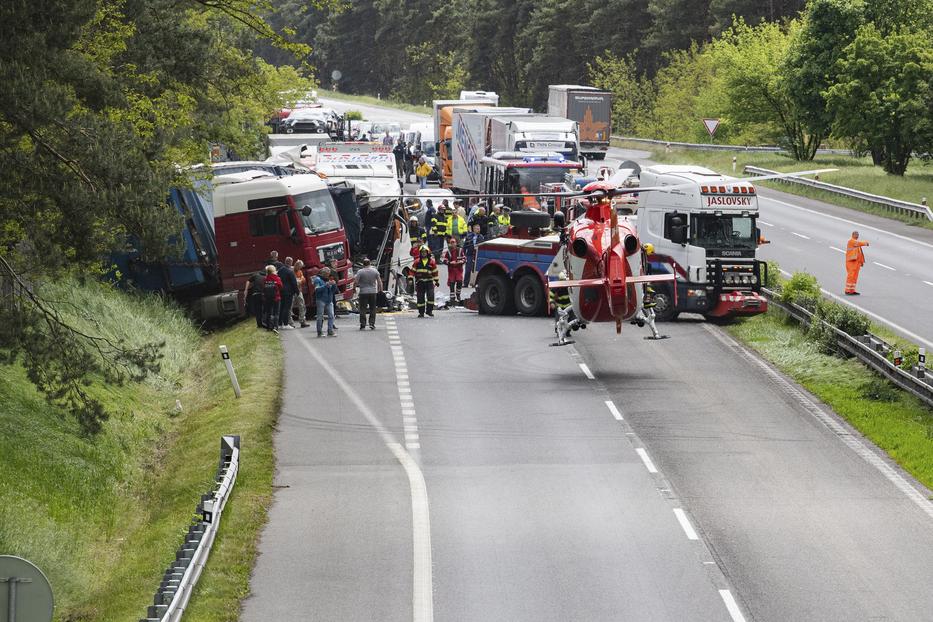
pixel 649 248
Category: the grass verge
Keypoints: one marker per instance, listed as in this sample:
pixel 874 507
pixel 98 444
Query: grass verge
pixel 374 101
pixel 894 420
pixel 858 173
pixel 103 516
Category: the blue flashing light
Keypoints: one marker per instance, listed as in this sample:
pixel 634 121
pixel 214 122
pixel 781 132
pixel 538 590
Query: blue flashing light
pixel 548 158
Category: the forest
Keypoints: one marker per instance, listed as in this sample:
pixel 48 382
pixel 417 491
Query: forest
pixel 850 73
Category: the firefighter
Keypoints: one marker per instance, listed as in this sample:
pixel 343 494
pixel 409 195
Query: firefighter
pixel 426 277
pixel 565 320
pixel 455 259
pixel 646 315
pixel 855 259
pixel 439 230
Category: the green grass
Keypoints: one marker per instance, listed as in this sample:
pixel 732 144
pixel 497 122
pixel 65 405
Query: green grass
pixel 373 101
pixel 902 427
pixel 103 516
pixel 858 173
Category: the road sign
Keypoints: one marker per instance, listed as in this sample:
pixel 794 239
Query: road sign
pixel 711 125
pixel 25 593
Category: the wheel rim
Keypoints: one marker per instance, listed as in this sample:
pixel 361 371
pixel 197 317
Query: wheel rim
pixel 662 304
pixel 492 296
pixel 528 297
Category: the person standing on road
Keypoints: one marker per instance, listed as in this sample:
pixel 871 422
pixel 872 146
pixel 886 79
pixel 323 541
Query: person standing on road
pixel 439 230
pixel 429 214
pixel 271 298
pixel 423 172
pixel 325 293
pixel 426 277
pixel 855 259
pixel 289 289
pixel 387 139
pixel 298 305
pixel 399 152
pixel 470 242
pixel 455 259
pixel 368 283
pixel 252 293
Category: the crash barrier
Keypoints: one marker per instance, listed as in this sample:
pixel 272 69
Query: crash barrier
pixel 712 147
pixel 915 210
pixel 870 349
pixel 182 575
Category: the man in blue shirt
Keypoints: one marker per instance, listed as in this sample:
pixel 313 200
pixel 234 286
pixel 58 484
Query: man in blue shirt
pixel 325 295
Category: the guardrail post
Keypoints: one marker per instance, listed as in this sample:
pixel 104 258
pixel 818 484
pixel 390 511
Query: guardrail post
pixel 733 163
pixel 922 363
pixel 898 359
pixel 226 357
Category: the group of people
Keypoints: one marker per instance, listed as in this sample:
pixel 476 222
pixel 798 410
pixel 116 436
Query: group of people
pixel 409 160
pixel 275 295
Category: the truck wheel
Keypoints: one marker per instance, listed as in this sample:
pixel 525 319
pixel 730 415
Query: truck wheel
pixel 529 295
pixel 664 310
pixel 495 295
pixel 530 218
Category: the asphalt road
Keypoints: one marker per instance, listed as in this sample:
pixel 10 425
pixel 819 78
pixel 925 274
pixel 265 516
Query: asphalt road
pixel 375 113
pixel 460 469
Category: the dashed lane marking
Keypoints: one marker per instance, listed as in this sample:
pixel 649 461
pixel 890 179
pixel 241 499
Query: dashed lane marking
pixel 586 371
pixel 838 250
pixel 615 411
pixel 685 524
pixel 886 267
pixel 800 235
pixel 646 459
pixel 929 283
pixel 767 224
pixel 731 606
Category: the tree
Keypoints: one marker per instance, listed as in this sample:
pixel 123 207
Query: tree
pixel 883 99
pixel 633 94
pixel 675 25
pixel 810 66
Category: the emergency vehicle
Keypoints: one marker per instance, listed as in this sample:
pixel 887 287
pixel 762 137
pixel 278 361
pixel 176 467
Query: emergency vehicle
pixel 518 173
pixel 704 230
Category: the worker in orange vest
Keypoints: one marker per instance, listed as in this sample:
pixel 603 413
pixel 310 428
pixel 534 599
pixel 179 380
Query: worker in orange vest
pixel 855 259
pixel 529 202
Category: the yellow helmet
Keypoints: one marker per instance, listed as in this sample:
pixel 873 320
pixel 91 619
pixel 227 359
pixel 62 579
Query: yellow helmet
pixel 649 248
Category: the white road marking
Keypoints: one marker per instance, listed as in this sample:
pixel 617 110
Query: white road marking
pixel 838 250
pixel 851 222
pixel 851 440
pixel 884 266
pixel 646 459
pixel 800 235
pixel 586 371
pixel 685 524
pixel 928 283
pixel 731 606
pixel 615 411
pixel 767 224
pixel 897 327
pixel 422 580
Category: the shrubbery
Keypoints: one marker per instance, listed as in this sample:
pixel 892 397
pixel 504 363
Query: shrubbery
pixel 802 289
pixel 843 317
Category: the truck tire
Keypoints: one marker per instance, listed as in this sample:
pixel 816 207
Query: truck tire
pixel 530 218
pixel 664 310
pixel 495 295
pixel 529 295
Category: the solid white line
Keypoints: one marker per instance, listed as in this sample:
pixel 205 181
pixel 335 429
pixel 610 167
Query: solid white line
pixel 685 524
pixel 587 372
pixel 851 222
pixel 767 224
pixel 646 459
pixel 423 581
pixel 830 422
pixel 884 266
pixel 731 606
pixel 838 250
pixel 615 411
pixel 799 235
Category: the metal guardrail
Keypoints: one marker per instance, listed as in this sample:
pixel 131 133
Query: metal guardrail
pixel 916 210
pixel 869 349
pixel 171 599
pixel 712 147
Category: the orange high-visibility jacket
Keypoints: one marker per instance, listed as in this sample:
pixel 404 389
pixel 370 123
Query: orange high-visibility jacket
pixel 854 252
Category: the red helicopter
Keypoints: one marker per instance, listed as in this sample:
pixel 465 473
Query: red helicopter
pixel 603 262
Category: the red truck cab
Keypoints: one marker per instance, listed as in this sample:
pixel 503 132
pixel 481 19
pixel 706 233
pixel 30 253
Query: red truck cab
pixel 294 215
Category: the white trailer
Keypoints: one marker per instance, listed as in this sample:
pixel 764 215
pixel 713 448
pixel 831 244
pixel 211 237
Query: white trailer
pixel 471 143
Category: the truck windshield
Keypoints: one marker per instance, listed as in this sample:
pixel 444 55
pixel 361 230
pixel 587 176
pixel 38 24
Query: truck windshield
pixel 531 179
pixel 427 148
pixel 323 215
pixel 724 232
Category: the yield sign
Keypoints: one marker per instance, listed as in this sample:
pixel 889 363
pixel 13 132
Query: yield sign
pixel 711 125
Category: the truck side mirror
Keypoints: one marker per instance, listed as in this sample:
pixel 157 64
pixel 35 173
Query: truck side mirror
pixel 678 234
pixel 306 210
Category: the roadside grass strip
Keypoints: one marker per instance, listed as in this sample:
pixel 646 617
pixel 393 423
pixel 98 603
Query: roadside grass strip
pixel 104 515
pixel 892 419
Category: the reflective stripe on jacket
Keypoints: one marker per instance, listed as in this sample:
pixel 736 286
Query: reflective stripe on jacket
pixel 425 270
pixel 854 252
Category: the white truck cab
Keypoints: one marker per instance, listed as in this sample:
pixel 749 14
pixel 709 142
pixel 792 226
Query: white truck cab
pixel 704 230
pixel 534 133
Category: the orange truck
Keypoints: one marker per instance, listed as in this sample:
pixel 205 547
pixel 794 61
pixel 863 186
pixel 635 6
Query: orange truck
pixel 443 131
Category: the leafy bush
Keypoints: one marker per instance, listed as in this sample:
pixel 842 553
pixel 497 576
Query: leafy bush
pixel 354 115
pixel 843 317
pixel 909 352
pixel 772 278
pixel 879 390
pixel 800 285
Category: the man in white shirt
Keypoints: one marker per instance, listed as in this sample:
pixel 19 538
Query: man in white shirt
pixel 368 284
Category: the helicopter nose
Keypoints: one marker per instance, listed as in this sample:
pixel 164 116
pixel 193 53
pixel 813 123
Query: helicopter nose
pixel 630 244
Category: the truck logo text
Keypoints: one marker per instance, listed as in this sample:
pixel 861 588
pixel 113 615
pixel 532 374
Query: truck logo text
pixel 738 201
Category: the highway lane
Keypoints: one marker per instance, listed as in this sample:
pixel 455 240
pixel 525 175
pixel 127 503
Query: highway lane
pixel 544 500
pixel 375 113
pixel 809 235
pixel 540 508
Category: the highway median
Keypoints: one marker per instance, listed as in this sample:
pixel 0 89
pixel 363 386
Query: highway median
pixel 103 514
